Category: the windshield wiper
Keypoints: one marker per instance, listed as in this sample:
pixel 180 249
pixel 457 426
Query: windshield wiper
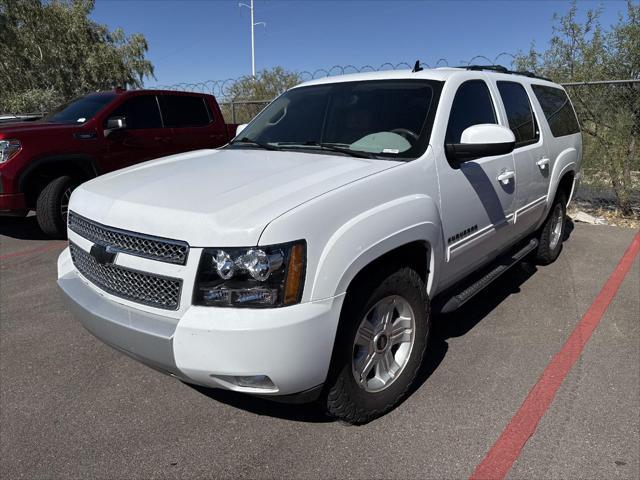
pixel 335 148
pixel 250 141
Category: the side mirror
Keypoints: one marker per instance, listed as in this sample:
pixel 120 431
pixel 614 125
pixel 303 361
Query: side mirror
pixel 483 140
pixel 240 128
pixel 115 123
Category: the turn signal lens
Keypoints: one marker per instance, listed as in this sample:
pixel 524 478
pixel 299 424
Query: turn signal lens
pixel 295 272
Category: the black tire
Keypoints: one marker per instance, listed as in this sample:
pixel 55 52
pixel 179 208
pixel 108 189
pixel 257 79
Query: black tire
pixel 344 398
pixel 49 212
pixel 548 250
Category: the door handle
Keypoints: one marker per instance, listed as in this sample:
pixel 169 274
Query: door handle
pixel 542 163
pixel 505 176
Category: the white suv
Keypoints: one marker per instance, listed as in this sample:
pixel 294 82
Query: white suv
pixel 305 259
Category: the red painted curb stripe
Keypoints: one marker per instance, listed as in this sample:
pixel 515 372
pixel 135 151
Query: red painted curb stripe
pixel 22 253
pixel 500 458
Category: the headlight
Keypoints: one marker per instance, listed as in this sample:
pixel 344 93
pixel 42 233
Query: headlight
pixel 8 149
pixel 270 276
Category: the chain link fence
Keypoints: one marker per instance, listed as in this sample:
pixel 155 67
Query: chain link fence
pixel 242 111
pixel 609 114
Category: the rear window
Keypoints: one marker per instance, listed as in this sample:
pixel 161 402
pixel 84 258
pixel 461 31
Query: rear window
pixel 557 110
pixel 184 111
pixel 522 122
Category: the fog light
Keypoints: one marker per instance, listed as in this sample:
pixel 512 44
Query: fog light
pixel 216 295
pixel 255 381
pixel 226 297
pixel 248 381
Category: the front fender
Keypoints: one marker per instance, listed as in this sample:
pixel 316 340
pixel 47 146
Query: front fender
pixel 349 227
pixel 370 235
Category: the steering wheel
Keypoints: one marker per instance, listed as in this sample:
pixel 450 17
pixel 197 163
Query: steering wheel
pixel 411 136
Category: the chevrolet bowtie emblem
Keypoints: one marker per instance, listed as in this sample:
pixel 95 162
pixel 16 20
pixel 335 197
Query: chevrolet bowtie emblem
pixel 102 254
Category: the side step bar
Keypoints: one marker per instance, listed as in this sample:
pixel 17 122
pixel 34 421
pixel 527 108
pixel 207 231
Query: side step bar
pixel 499 266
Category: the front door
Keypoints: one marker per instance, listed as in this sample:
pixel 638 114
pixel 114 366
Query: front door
pixel 477 207
pixel 144 137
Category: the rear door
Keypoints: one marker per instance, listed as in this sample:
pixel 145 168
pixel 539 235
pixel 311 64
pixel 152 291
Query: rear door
pixel 193 123
pixel 530 155
pixel 477 209
pixel 144 137
pixel 563 138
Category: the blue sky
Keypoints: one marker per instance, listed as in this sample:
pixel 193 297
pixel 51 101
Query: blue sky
pixel 195 41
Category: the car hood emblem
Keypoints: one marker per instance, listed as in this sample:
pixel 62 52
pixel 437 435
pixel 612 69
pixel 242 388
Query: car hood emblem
pixel 103 255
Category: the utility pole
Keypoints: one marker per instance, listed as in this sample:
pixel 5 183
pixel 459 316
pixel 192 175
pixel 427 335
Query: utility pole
pixel 253 41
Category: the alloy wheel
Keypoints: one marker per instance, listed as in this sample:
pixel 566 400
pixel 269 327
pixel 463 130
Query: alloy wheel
pixel 557 227
pixel 383 343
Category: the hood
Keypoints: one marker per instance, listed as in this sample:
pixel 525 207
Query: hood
pixel 9 130
pixel 215 197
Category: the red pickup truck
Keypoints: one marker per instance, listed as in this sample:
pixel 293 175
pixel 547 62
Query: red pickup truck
pixel 41 162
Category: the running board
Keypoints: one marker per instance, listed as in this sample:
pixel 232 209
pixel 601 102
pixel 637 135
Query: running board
pixel 469 290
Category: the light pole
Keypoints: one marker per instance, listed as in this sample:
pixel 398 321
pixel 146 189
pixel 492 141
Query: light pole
pixel 253 41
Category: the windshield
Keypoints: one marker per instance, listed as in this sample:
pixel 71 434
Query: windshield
pixel 381 118
pixel 81 109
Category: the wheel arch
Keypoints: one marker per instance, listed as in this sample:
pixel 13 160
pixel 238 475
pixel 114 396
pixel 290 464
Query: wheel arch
pixel 43 170
pixel 566 185
pixel 382 234
pixel 562 177
pixel 416 255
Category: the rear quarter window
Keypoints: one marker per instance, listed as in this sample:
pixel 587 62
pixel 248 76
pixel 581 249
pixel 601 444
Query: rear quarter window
pixel 185 111
pixel 557 110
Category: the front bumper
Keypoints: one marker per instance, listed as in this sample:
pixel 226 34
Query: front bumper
pixel 12 204
pixel 290 345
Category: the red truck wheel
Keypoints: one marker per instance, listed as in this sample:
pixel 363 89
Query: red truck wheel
pixel 52 207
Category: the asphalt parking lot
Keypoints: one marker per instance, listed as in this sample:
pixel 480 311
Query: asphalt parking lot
pixel 71 407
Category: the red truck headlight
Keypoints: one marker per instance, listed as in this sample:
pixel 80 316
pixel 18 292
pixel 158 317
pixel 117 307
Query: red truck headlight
pixel 9 149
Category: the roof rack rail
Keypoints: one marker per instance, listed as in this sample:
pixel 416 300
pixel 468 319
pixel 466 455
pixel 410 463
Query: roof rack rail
pixel 493 68
pixel 503 69
pixel 527 73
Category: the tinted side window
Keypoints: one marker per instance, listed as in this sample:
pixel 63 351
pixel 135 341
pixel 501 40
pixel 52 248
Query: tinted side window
pixel 557 109
pixel 472 105
pixel 184 111
pixel 140 112
pixel 522 122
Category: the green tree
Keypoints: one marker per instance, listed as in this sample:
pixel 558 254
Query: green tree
pixel 51 51
pixel 266 85
pixel 582 51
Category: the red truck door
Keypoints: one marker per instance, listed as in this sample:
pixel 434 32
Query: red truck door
pixel 144 137
pixel 193 122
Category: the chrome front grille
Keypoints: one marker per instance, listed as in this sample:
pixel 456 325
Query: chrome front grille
pixel 154 290
pixel 155 248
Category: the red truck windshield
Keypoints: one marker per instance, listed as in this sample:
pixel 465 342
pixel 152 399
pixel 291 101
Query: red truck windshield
pixel 81 109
